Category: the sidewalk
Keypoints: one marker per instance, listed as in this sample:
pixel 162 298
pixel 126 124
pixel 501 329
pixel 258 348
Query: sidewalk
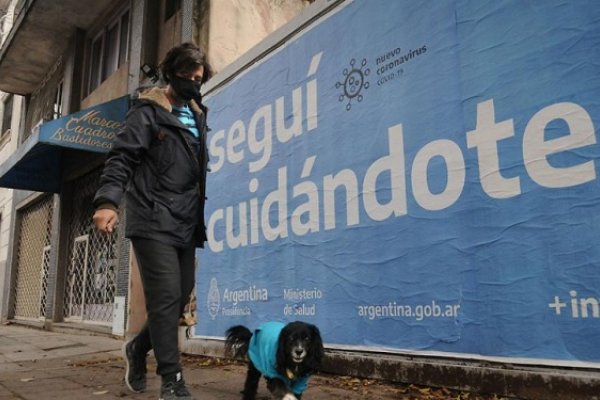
pixel 41 365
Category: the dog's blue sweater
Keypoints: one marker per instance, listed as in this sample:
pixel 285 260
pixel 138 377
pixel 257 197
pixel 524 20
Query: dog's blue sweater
pixel 263 354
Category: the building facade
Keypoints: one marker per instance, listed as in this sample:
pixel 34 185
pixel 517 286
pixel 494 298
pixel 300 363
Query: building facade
pixel 10 106
pixel 56 60
pixel 383 102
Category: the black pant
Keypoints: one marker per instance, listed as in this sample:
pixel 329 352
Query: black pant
pixel 168 276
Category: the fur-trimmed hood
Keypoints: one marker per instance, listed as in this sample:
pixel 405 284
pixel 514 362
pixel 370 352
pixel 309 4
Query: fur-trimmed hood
pixel 158 96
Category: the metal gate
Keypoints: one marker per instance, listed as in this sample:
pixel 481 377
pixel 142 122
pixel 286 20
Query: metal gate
pixel 33 260
pixel 90 283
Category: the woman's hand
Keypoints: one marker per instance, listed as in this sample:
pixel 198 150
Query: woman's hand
pixel 105 220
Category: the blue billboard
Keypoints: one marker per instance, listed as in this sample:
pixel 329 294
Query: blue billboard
pixel 414 178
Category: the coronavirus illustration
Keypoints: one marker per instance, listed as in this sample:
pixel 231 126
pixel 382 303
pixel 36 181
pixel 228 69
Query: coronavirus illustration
pixel 354 82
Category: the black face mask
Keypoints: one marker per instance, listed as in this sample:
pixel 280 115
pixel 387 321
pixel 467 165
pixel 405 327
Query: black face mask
pixel 186 89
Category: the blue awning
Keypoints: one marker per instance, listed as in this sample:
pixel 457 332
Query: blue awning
pixel 39 162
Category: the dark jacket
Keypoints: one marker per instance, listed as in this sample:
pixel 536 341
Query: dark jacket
pixel 162 166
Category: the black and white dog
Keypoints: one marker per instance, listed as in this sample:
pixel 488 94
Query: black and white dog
pixel 286 354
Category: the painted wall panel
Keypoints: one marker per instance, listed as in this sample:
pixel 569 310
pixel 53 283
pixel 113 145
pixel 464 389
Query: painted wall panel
pixel 414 179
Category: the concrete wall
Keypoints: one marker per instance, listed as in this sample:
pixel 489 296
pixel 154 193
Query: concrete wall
pixel 235 26
pixel 6 207
pixel 113 87
pixel 5 235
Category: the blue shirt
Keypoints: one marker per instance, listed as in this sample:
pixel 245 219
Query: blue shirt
pixel 263 354
pixel 184 114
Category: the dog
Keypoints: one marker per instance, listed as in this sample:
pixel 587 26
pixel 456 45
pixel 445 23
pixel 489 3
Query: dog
pixel 286 354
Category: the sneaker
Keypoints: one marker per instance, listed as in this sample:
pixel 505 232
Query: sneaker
pixel 135 372
pixel 174 389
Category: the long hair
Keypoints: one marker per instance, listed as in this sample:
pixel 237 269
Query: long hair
pixel 237 341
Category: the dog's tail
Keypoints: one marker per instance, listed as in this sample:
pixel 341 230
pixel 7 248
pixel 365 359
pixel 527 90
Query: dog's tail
pixel 237 340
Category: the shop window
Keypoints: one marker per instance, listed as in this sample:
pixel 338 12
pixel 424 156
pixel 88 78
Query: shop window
pixel 6 116
pixel 124 38
pixel 57 107
pixel 109 50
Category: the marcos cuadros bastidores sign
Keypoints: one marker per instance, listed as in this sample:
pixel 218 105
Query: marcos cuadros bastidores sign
pixel 92 129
